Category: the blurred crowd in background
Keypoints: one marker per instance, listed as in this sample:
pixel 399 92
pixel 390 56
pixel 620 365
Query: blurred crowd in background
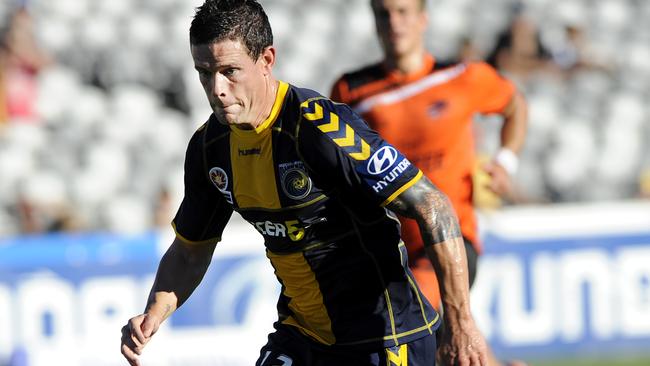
pixel 99 98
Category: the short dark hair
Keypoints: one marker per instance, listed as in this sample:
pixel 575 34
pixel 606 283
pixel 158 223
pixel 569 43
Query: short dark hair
pixel 235 20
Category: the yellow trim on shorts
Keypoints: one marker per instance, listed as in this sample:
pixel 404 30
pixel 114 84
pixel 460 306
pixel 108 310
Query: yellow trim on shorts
pixel 399 335
pixel 391 316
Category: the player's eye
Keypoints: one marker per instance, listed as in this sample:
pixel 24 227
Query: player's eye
pixel 203 72
pixel 229 71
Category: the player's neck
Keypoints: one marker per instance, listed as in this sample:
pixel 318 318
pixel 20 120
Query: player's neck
pixel 406 64
pixel 269 100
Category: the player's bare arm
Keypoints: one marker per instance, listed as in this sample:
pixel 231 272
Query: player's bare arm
pixel 515 123
pixel 462 343
pixel 180 271
pixel 513 134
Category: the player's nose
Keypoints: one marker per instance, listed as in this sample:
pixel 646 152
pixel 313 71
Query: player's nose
pixel 219 87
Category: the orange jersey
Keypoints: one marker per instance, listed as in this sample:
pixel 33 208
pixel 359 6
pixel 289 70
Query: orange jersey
pixel 427 115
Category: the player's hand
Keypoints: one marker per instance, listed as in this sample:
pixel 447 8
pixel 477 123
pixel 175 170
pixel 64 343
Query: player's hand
pixel 463 345
pixel 500 182
pixel 136 334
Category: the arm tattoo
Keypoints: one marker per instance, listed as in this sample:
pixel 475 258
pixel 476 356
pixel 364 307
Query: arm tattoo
pixel 431 209
pixel 168 309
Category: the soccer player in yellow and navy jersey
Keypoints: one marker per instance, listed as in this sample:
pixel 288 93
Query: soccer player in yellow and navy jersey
pixel 320 186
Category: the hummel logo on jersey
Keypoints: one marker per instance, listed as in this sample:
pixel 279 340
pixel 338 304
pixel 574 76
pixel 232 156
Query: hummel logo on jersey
pixel 253 151
pixel 382 160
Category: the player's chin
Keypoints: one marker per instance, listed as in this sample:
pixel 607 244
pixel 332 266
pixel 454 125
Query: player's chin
pixel 224 118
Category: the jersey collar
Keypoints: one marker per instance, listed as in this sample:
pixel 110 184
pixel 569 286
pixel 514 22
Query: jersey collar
pixel 427 66
pixel 273 116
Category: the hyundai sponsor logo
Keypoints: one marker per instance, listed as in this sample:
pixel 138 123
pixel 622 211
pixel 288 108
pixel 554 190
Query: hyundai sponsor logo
pixel 382 160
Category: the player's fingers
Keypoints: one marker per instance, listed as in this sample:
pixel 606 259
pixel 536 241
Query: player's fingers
pixel 495 188
pixel 137 346
pixel 131 341
pixel 149 326
pixel 128 347
pixel 483 359
pixel 499 185
pixel 462 360
pixel 131 357
pixel 134 326
pixel 474 359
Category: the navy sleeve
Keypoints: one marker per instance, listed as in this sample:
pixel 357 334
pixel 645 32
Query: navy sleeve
pixel 348 156
pixel 203 213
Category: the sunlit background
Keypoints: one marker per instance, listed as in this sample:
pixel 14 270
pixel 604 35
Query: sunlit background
pixel 99 98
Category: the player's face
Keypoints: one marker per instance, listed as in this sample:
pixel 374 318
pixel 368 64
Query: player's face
pixel 237 86
pixel 400 25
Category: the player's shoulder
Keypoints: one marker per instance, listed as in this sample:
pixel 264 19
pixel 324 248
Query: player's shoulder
pixel 304 104
pixel 298 95
pixel 440 65
pixel 363 76
pixel 207 131
pixel 480 66
pixel 328 116
pixel 480 71
pixel 477 66
pixel 306 99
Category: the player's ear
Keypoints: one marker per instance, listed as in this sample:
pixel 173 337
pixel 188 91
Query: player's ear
pixel 424 19
pixel 267 59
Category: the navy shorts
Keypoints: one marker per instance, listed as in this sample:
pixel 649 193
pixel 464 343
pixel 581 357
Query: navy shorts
pixel 288 347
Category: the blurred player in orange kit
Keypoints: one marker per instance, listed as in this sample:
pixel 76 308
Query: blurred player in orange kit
pixel 425 110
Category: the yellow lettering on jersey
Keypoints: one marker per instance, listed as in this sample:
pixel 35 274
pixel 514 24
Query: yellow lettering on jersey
pixel 295 232
pixel 317 115
pixel 399 359
pixel 332 126
pixel 348 140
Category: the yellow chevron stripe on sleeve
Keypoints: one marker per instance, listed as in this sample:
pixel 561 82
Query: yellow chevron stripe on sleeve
pixel 332 126
pixel 364 154
pixel 348 140
pixel 318 113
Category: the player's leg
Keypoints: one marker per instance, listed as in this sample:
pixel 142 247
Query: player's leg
pixel 472 260
pixel 426 278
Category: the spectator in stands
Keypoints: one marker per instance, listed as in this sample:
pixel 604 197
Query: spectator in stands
pixel 468 51
pixel 21 59
pixel 38 217
pixel 644 184
pixel 4 114
pixel 425 109
pixel 574 52
pixel 519 51
pixel 163 210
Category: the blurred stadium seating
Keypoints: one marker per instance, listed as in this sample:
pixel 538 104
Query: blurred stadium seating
pixel 117 108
